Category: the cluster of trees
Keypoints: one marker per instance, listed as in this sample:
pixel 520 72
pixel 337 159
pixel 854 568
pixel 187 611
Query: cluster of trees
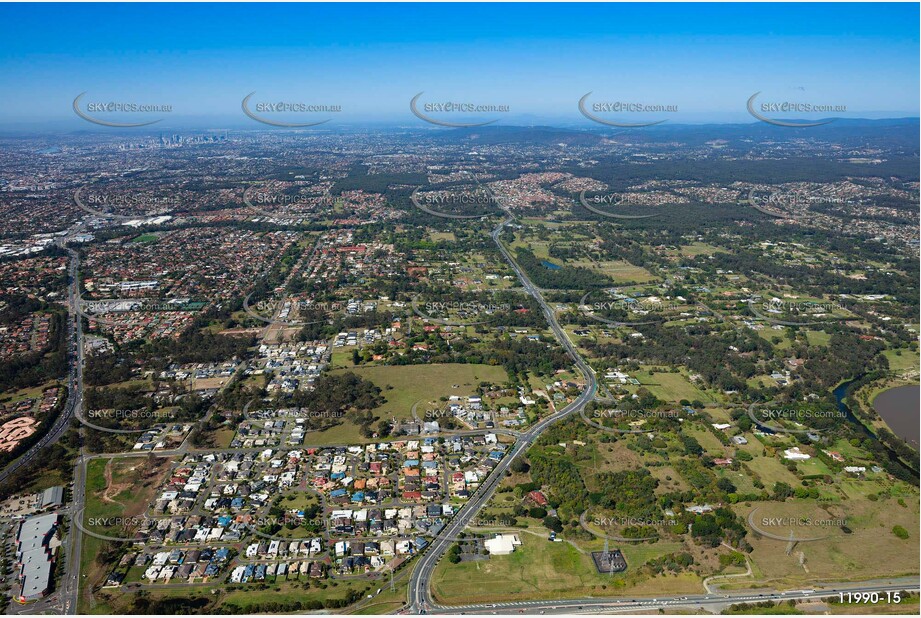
pixel 819 281
pixel 106 368
pixel 782 491
pixel 55 458
pixel 287 607
pixel 846 355
pixel 517 355
pixel 629 493
pixel 674 562
pixel 336 397
pixel 38 366
pixel 703 353
pixel 711 529
pixel 198 345
pixel 565 277
pixel 567 491
pixel 725 171
pixel 143 604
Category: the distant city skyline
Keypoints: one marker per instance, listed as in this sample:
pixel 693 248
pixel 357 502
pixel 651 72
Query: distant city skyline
pixel 702 60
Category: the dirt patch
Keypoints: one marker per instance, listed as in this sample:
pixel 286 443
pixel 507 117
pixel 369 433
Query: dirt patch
pixel 111 488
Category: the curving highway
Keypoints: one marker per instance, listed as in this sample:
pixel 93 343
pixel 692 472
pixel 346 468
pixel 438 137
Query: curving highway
pixel 419 597
pixel 74 378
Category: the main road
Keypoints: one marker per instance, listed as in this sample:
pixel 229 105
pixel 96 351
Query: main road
pixel 64 599
pixel 419 595
pixel 70 584
pixel 713 602
pixel 74 379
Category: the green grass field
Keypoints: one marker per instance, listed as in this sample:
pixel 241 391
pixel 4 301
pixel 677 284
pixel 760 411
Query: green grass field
pixel 242 598
pixel 403 386
pixel 906 361
pixel 539 569
pixel 126 495
pixel 697 248
pixel 673 387
pixel 870 550
pixel 146 238
pixel 817 337
pixel 426 383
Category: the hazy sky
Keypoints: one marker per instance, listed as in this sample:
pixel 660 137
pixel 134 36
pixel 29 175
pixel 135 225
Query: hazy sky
pixel 538 59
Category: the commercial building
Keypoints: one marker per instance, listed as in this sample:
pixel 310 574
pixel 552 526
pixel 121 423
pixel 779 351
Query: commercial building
pixel 51 498
pixel 35 548
pixel 502 544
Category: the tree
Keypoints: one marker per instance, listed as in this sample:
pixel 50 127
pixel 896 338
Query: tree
pixel 553 523
pixel 520 466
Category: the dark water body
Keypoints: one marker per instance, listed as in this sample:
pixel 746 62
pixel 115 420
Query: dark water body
pixel 551 265
pixel 840 393
pixel 900 407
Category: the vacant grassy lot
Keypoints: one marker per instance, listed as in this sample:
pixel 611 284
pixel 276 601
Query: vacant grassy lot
pixel 817 337
pixel 672 387
pixel 404 386
pixel 242 598
pixel 620 271
pixel 697 248
pixel 146 238
pixel 906 361
pixel 871 550
pixel 772 471
pixel 540 570
pixel 707 440
pixel 440 236
pixel 115 488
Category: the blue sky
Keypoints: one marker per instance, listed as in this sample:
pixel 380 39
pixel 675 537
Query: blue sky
pixel 536 58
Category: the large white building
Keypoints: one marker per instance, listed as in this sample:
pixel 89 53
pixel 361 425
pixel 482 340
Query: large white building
pixel 35 548
pixel 502 544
